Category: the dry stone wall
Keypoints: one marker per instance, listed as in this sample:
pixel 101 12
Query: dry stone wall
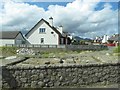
pixel 59 76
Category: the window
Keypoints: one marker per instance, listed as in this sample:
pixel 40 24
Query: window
pixel 42 40
pixel 52 32
pixel 42 30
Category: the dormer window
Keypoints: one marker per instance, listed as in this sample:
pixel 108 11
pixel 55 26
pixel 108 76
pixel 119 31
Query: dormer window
pixel 42 30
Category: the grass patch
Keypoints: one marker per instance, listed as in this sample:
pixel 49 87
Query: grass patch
pixel 57 53
pixel 117 50
pixel 7 51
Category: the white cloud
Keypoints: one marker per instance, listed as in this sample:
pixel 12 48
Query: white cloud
pixel 78 17
pixel 16 16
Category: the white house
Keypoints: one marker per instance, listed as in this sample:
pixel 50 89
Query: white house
pixel 115 39
pixel 44 33
pixel 11 37
pixel 105 39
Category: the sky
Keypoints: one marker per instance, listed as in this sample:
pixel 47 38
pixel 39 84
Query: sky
pixel 84 19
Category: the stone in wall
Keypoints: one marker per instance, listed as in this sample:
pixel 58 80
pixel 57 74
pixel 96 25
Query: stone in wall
pixel 60 76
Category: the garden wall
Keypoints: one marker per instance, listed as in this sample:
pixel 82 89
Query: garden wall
pixel 59 76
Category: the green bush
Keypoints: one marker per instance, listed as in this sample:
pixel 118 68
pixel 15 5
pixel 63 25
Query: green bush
pixel 117 50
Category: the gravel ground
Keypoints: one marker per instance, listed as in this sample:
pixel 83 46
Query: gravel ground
pixel 85 57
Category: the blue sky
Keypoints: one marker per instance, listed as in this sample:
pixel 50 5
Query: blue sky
pixel 114 5
pixel 46 4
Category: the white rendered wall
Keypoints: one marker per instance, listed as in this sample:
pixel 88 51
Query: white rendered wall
pixel 49 39
pixel 3 42
pixel 105 39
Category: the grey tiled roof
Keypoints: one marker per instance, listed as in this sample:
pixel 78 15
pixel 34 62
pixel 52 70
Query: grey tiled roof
pixel 8 34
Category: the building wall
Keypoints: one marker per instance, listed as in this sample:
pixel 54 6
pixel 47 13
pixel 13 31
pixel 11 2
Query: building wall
pixel 3 42
pixel 49 39
pixel 105 39
pixel 19 37
pixel 59 75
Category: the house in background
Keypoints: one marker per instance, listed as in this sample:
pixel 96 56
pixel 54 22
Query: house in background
pixel 98 40
pixel 105 39
pixel 101 40
pixel 11 37
pixel 115 39
pixel 44 33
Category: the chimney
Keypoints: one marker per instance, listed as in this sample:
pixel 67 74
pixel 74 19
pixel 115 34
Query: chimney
pixel 61 29
pixel 51 21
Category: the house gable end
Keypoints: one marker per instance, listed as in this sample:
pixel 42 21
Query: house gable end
pixel 40 23
pixel 21 35
pixel 34 28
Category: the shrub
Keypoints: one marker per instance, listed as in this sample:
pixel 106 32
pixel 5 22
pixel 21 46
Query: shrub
pixel 117 50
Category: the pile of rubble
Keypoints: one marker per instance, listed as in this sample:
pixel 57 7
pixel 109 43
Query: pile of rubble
pixel 25 51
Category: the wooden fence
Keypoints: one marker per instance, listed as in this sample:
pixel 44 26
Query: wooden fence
pixel 69 47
